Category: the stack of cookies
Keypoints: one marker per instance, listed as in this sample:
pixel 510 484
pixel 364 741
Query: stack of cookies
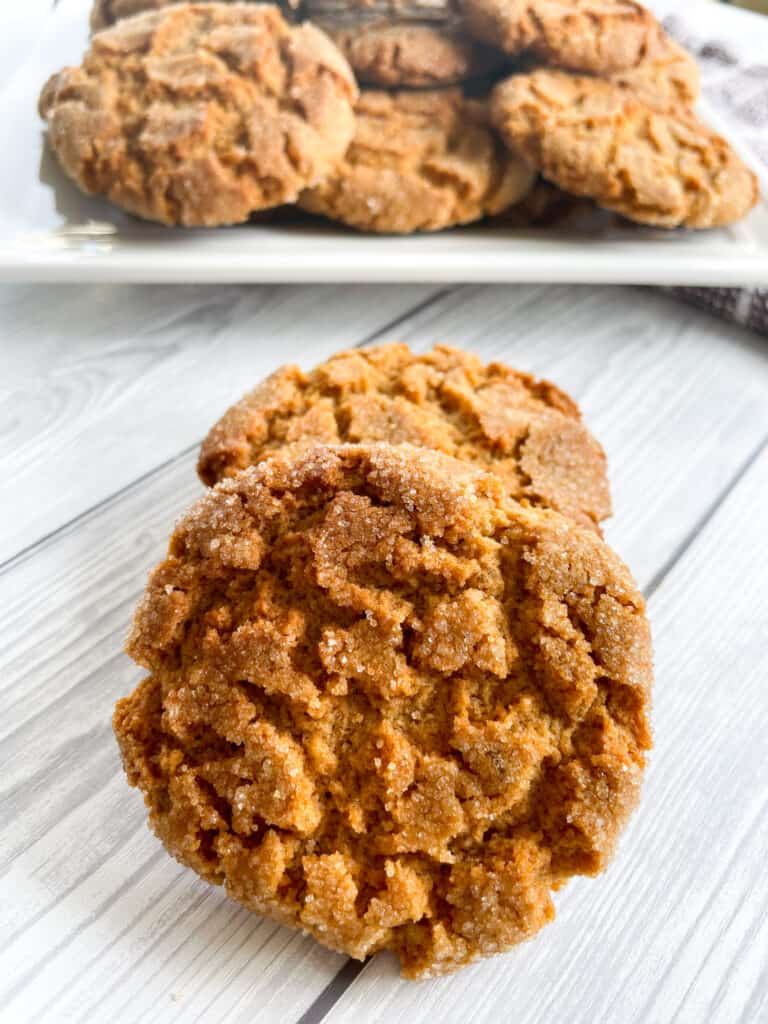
pixel 390 115
pixel 398 686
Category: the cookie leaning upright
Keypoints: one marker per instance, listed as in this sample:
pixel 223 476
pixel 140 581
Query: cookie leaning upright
pixel 420 161
pixel 526 431
pixel 202 113
pixel 387 705
pixel 641 154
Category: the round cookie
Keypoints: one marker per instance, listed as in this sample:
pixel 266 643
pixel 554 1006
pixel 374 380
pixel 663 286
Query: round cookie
pixel 595 138
pixel 395 44
pixel 527 431
pixel 202 113
pixel 414 54
pixel 385 704
pixel 420 161
pixel 599 36
pixel 668 78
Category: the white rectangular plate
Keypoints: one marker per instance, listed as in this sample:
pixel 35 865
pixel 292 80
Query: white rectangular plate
pixel 50 232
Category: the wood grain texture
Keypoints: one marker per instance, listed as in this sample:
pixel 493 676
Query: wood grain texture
pixel 96 923
pixel 115 375
pixel 677 930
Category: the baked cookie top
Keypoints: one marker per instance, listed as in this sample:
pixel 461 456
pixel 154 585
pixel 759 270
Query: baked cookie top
pixel 648 160
pixel 201 113
pixel 106 13
pixel 595 36
pixel 669 77
pixel 386 704
pixel 408 53
pixel 527 431
pixel 599 36
pixel 420 161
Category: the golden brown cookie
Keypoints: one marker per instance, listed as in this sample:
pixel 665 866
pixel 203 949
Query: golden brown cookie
pixel 668 78
pixel 387 705
pixel 202 113
pixel 105 13
pixel 599 36
pixel 420 161
pixel 415 54
pixel 595 138
pixel 527 431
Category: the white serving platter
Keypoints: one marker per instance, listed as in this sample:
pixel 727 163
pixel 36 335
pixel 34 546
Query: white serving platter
pixel 50 232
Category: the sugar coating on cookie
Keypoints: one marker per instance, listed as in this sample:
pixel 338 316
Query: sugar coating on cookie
pixel 420 161
pixel 653 163
pixel 200 114
pixel 526 430
pixel 598 36
pixel 387 705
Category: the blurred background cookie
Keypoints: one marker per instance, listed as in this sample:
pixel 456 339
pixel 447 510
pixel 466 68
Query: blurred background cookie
pixel 599 36
pixel 420 161
pixel 107 12
pixel 201 114
pixel 651 163
pixel 669 75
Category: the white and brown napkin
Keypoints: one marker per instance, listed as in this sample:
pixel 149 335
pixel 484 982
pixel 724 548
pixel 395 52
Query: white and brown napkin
pixel 731 47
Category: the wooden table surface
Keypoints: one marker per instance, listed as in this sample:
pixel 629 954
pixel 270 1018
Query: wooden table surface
pixel 105 394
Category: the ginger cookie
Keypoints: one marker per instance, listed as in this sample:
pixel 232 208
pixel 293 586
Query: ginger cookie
pixel 420 161
pixel 200 114
pixel 651 162
pixel 386 704
pixel 526 431
pixel 411 44
pixel 414 54
pixel 668 78
pixel 105 13
pixel 599 36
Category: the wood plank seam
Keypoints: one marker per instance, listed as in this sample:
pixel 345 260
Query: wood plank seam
pixel 709 513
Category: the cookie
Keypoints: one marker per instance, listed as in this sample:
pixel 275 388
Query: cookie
pixel 596 138
pixel 420 161
pixel 386 705
pixel 202 113
pixel 105 13
pixel 668 78
pixel 413 54
pixel 599 36
pixel 527 431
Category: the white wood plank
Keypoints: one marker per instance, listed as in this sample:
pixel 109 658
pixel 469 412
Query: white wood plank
pixel 101 385
pixel 677 929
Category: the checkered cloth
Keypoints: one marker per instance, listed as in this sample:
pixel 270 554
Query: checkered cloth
pixel 732 50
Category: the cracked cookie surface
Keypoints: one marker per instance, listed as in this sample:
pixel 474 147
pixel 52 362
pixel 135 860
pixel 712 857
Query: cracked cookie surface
pixel 200 114
pixel 388 705
pixel 599 36
pixel 420 161
pixel 409 53
pixel 651 162
pixel 527 431
pixel 669 78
